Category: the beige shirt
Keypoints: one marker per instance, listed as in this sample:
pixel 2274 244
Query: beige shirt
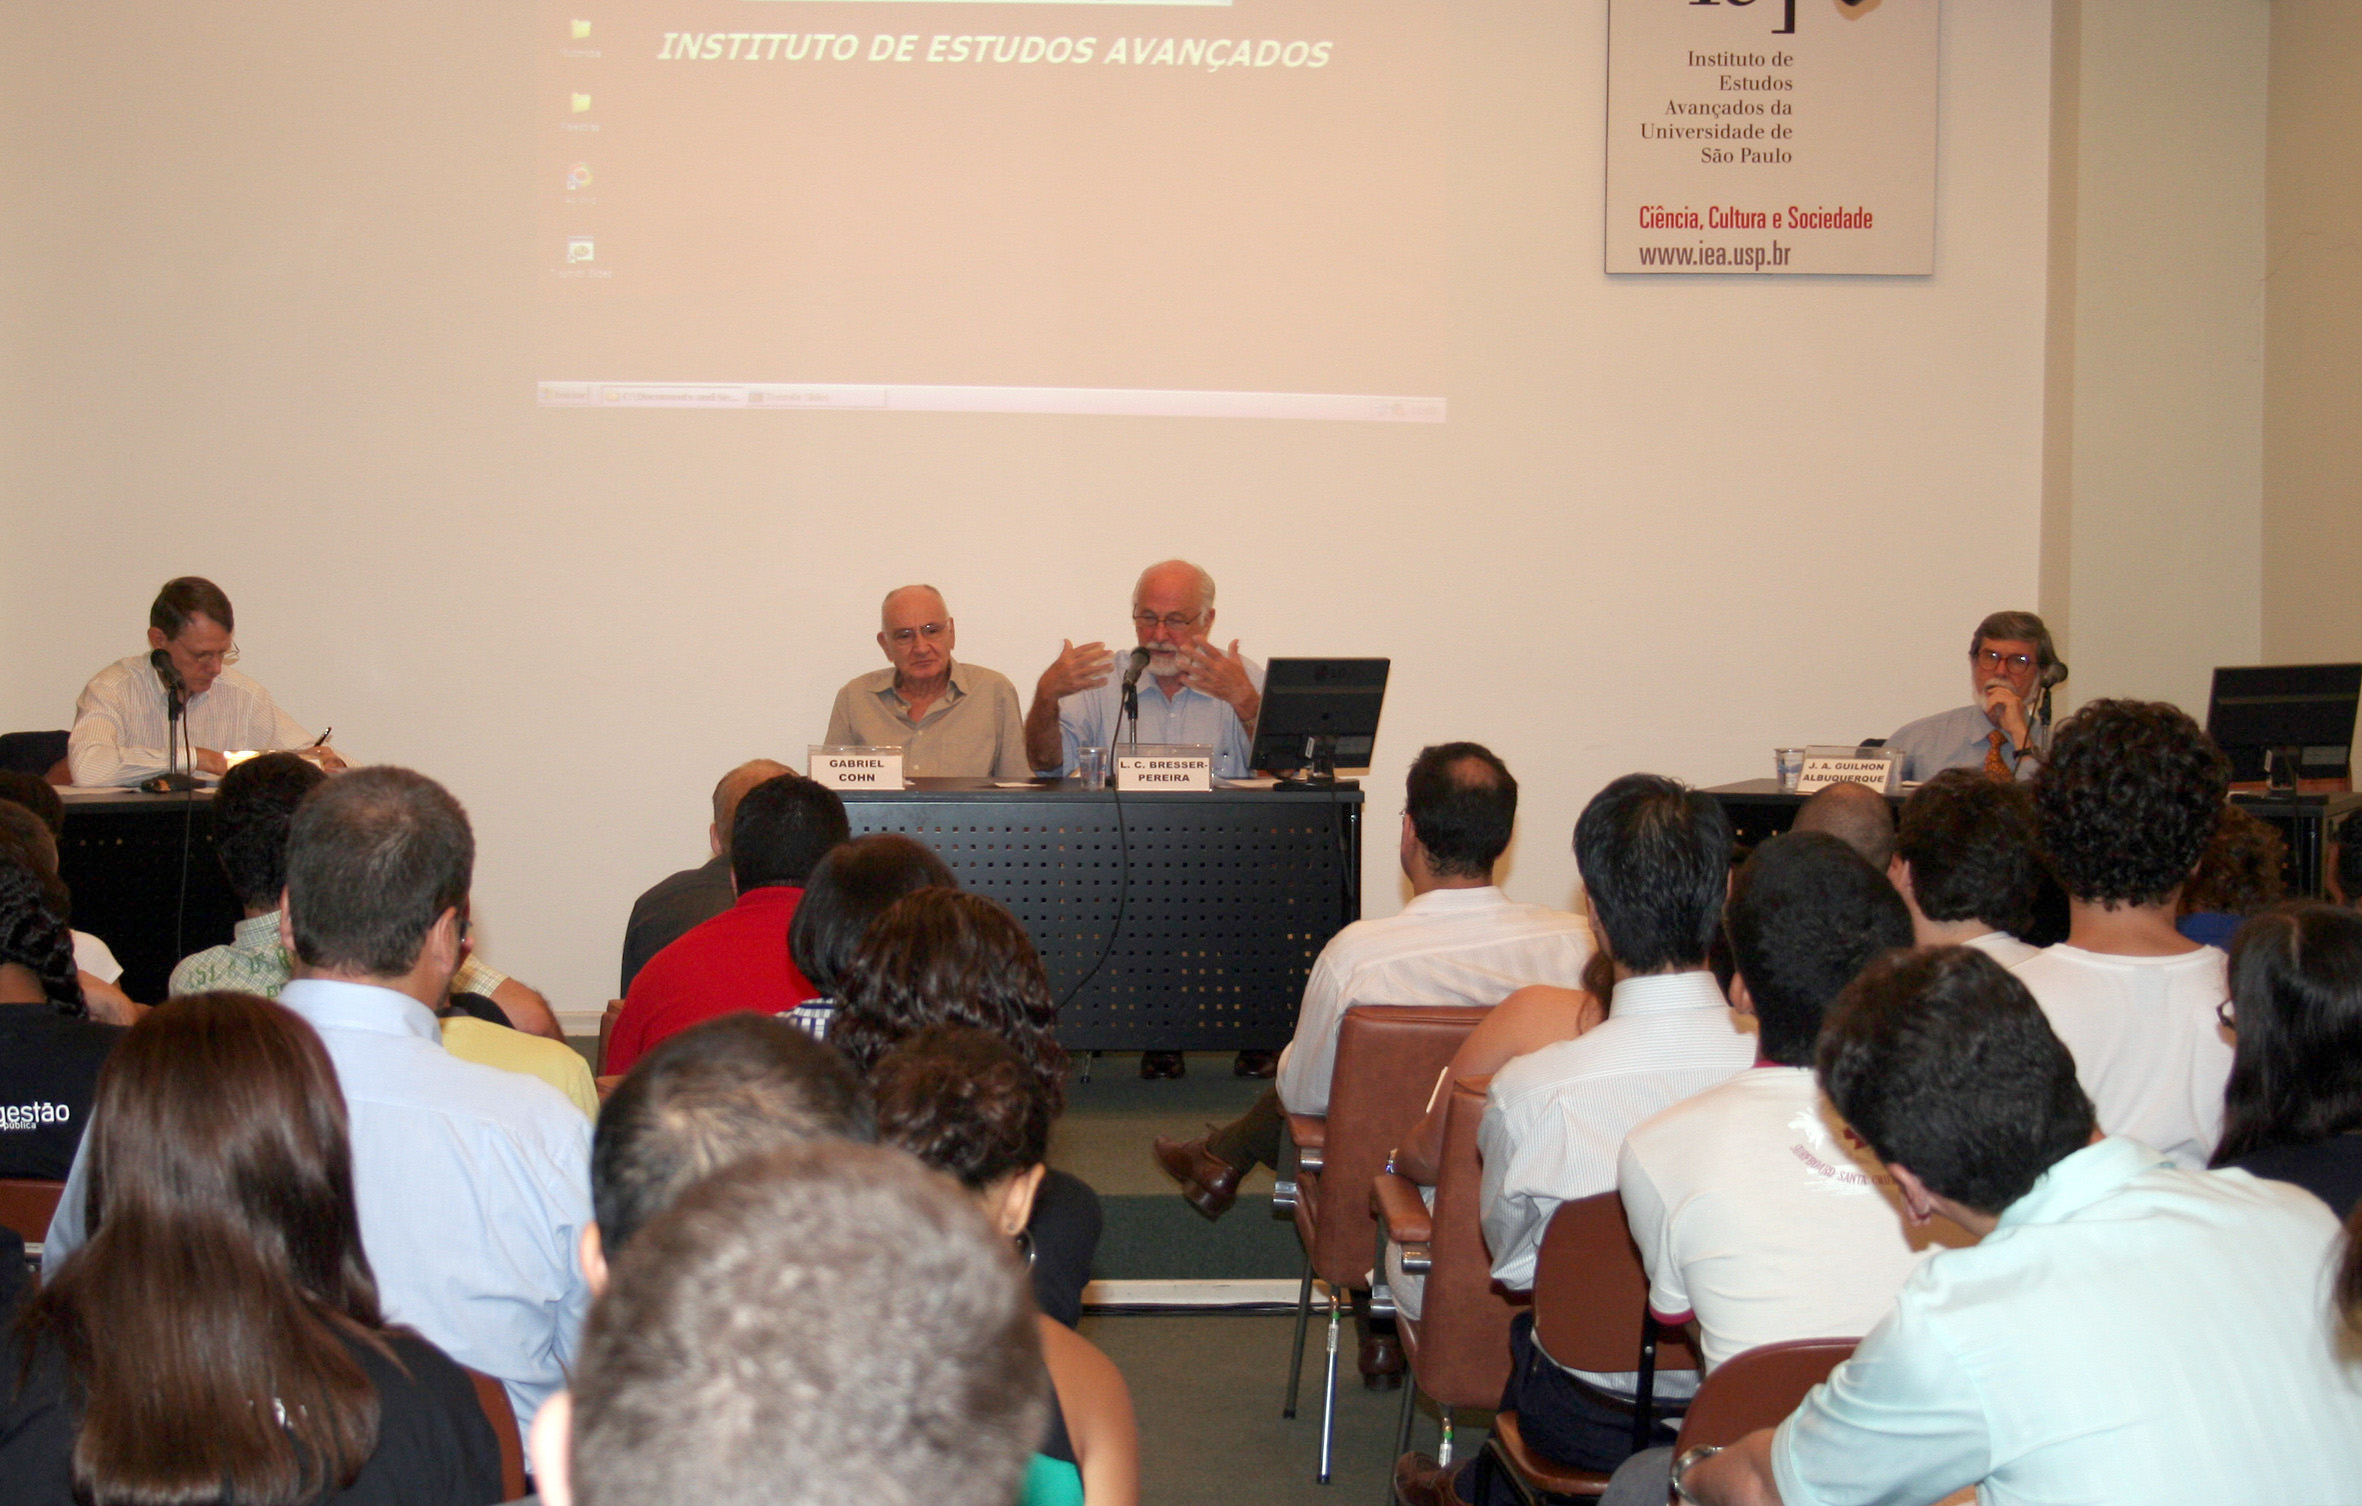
pixel 974 730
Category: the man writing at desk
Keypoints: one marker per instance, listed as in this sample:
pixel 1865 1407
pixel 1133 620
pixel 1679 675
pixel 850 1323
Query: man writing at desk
pixel 2011 668
pixel 122 726
pixel 949 719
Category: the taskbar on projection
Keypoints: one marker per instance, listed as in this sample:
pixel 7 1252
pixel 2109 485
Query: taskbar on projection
pixel 914 398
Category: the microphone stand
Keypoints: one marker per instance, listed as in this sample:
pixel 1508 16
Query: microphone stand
pixel 174 777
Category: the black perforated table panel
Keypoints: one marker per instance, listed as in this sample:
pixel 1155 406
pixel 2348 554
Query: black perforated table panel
pixel 1232 895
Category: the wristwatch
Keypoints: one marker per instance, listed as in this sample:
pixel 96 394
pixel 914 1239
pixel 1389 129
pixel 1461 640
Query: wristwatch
pixel 1682 1466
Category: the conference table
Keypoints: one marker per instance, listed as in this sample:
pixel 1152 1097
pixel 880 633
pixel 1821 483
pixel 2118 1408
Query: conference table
pixel 1167 921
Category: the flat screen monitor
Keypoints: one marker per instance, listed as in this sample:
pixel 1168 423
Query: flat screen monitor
pixel 1305 700
pixel 2306 706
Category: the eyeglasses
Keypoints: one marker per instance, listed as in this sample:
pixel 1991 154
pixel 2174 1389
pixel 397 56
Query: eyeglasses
pixel 2014 663
pixel 217 658
pixel 1173 622
pixel 927 630
pixel 2228 1017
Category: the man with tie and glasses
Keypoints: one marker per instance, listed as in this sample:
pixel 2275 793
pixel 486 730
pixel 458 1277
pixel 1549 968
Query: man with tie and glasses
pixel 951 720
pixel 2003 732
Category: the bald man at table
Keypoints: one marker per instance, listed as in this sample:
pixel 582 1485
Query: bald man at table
pixel 951 720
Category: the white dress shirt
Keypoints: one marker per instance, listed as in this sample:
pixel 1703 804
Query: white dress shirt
pixel 1556 1118
pixel 2148 1046
pixel 1447 946
pixel 122 731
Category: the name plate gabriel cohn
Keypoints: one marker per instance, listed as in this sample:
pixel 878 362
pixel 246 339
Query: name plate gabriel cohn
pixel 855 768
pixel 1150 768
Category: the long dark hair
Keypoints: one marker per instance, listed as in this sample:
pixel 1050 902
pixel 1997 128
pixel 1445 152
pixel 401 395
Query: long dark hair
pixel 2296 997
pixel 33 930
pixel 203 1322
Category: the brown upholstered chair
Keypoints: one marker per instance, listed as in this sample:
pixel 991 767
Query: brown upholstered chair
pixel 27 1206
pixel 1590 1313
pixel 1388 1058
pixel 493 1397
pixel 1458 1346
pixel 1758 1389
pixel 606 1029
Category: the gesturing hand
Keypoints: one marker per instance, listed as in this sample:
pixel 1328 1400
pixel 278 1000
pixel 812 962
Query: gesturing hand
pixel 1083 667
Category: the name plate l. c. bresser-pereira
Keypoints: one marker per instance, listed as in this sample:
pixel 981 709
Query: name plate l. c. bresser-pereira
pixel 856 768
pixel 1823 767
pixel 1149 769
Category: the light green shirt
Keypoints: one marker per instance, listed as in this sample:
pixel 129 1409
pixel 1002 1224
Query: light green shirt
pixel 254 963
pixel 974 730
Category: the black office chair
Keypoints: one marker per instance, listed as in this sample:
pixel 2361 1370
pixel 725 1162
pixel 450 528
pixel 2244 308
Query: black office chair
pixel 41 754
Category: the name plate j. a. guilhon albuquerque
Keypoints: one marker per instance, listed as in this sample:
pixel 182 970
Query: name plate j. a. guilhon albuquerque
pixel 1771 136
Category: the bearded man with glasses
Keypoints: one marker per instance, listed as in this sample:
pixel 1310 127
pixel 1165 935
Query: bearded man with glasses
pixel 2006 728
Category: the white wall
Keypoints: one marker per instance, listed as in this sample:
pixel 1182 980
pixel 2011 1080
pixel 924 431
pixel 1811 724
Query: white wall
pixel 265 316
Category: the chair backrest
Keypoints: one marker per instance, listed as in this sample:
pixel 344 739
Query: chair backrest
pixel 27 1206
pixel 1757 1389
pixel 492 1396
pixel 1462 1340
pixel 1388 1058
pixel 606 1029
pixel 38 753
pixel 1590 1292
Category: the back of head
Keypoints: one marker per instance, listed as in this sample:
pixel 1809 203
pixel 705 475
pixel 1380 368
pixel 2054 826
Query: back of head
pixel 28 835
pixel 374 857
pixel 2239 872
pixel 849 888
pixel 33 930
pixel 782 828
pixel 252 812
pixel 739 1086
pixel 941 957
pixel 1655 859
pixel 2127 799
pixel 964 1102
pixel 1854 814
pixel 1944 1063
pixel 187 596
pixel 732 788
pixel 1806 915
pixel 2296 999
pixel 1970 842
pixel 1463 807
pixel 826 1323
pixel 37 795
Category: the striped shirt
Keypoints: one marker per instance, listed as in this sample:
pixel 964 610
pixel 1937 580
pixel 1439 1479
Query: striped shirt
pixel 1555 1119
pixel 121 730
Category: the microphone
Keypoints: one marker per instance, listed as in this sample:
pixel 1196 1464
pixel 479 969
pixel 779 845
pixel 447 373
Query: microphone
pixel 1132 670
pixel 165 672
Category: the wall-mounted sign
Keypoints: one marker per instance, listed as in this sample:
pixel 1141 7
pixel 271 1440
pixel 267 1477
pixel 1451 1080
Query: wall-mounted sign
pixel 1771 136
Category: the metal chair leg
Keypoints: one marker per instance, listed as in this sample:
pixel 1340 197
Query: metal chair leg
pixel 1328 1408
pixel 1443 1449
pixel 1296 1355
pixel 1410 1411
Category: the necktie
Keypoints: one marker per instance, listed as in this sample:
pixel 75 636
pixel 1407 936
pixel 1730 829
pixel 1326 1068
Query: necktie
pixel 1994 767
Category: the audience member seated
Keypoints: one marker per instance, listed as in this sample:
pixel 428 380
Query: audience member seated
pixel 676 905
pixel 964 1102
pixel 1854 814
pixel 220 1338
pixel 2239 873
pixel 24 832
pixel 1459 941
pixel 738 960
pixel 251 813
pixel 823 1324
pixel 724 1091
pixel 1758 1218
pixel 2293 1108
pixel 50 1050
pixel 474 1184
pixel 2137 1332
pixel 848 889
pixel 1965 864
pixel 1655 861
pixel 940 957
pixel 2122 809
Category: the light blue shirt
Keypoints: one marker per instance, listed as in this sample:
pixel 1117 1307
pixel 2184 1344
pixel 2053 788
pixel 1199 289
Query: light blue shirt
pixel 1960 739
pixel 1090 718
pixel 2131 1333
pixel 473 1186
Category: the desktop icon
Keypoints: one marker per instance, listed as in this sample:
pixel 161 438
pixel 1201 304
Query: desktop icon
pixel 578 177
pixel 581 29
pixel 581 103
pixel 579 248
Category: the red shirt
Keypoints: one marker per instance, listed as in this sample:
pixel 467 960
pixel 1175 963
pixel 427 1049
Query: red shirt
pixel 735 961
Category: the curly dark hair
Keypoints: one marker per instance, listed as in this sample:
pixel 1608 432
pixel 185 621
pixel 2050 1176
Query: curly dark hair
pixel 2240 872
pixel 939 956
pixel 965 1102
pixel 2127 800
pixel 1970 842
pixel 34 933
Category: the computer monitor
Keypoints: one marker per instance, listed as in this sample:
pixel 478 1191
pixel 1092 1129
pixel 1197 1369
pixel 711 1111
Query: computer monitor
pixel 1318 714
pixel 2309 707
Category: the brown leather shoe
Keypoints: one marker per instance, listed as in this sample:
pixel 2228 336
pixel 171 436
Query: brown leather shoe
pixel 1381 1361
pixel 1207 1181
pixel 1420 1481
